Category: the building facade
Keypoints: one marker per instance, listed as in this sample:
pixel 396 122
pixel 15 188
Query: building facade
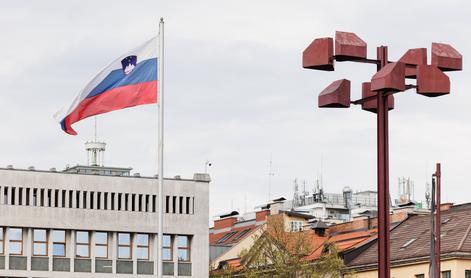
pixel 94 221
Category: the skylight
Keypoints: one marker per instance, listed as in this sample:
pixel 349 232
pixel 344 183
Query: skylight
pixel 405 245
pixel 226 237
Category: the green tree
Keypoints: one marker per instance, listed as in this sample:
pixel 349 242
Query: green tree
pixel 279 253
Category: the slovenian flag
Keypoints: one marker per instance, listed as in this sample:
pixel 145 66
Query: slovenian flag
pixel 128 81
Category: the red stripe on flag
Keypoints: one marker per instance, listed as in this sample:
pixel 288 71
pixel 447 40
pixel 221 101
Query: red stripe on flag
pixel 114 99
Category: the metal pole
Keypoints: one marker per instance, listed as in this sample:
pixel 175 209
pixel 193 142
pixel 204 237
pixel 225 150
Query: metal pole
pixel 432 271
pixel 160 105
pixel 383 174
pixel 438 221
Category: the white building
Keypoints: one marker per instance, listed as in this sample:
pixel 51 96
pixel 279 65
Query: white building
pixel 94 221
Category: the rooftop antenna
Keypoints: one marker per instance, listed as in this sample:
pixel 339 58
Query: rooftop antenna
pixel 322 169
pixel 245 203
pixel 270 174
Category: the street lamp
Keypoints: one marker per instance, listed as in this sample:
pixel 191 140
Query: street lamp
pixel 377 97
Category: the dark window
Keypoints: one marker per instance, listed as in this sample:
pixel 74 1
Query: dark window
pixel 133 202
pixel 147 203
pixel 64 193
pixel 56 198
pixel 98 200
pixel 167 204
pixel 92 200
pixel 140 202
pixel 180 204
pixel 28 195
pixel 71 198
pixel 154 203
pixel 105 205
pixel 119 200
pixel 419 276
pixel 446 274
pixel 126 201
pixel 174 204
pixel 49 197
pixel 20 196
pixel 77 199
pixel 467 273
pixel 187 205
pixel 13 190
pixel 85 195
pixel 112 201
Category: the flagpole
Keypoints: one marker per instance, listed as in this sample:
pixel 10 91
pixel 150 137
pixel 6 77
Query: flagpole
pixel 160 105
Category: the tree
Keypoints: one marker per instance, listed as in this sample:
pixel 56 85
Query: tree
pixel 278 253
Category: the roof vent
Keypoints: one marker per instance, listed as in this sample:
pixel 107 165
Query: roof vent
pixel 10 166
pixel 177 177
pixel 31 168
pixel 53 169
pixel 136 174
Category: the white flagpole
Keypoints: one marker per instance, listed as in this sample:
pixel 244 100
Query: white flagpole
pixel 160 105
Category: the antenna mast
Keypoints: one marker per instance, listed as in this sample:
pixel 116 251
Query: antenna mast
pixel 270 174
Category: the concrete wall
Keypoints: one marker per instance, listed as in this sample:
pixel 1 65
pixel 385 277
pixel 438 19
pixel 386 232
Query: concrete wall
pixel 194 224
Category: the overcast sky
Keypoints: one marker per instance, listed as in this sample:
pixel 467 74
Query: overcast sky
pixel 236 93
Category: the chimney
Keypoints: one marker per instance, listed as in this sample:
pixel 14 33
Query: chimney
pixel 225 222
pixel 446 206
pixel 261 216
pixel 275 208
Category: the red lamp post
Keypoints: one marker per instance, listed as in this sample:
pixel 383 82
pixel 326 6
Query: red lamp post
pixel 377 97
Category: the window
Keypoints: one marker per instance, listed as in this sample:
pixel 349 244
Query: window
pixel 180 205
pixel 167 204
pixel 446 274
pixel 174 204
pixel 82 244
pixel 16 241
pixel 419 276
pixel 58 243
pixel 124 246
pixel 296 226
pixel 467 273
pixel 1 241
pixel 226 237
pixel 142 252
pixel 241 234
pixel 187 205
pixel 101 244
pixel 183 248
pixel 167 254
pixel 39 242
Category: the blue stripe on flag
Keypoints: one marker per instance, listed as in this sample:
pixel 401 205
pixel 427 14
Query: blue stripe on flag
pixel 144 71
